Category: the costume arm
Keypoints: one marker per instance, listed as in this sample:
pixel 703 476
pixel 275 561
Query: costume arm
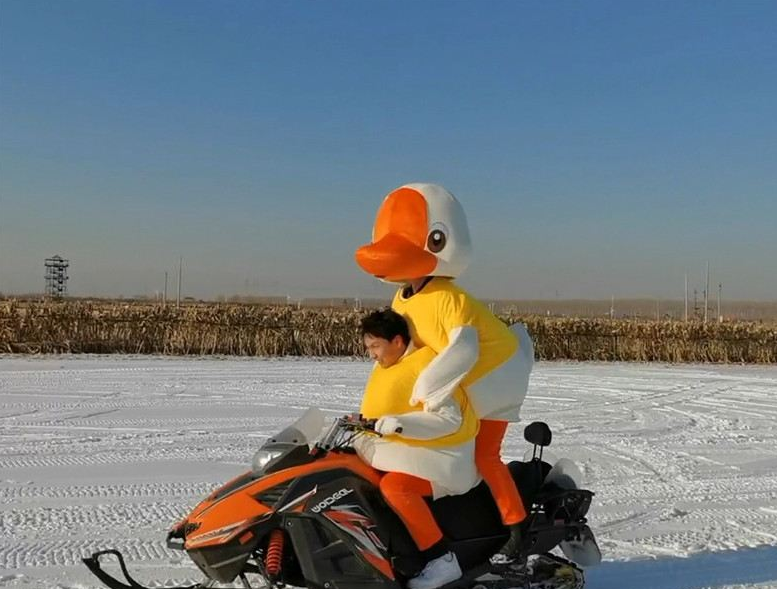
pixel 428 425
pixel 438 381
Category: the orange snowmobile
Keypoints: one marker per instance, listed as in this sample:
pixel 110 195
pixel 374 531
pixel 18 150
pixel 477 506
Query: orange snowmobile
pixel 312 516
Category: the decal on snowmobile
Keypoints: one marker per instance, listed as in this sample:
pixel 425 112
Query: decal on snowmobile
pixel 331 499
pixel 299 499
pixel 359 526
pixel 218 533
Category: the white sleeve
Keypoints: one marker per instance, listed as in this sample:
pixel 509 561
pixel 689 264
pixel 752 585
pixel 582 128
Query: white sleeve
pixel 428 425
pixel 438 381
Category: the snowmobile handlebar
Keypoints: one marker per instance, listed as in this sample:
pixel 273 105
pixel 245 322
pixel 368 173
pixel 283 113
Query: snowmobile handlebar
pixel 368 425
pixel 352 423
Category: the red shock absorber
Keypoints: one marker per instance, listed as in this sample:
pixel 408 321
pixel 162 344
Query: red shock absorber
pixel 272 561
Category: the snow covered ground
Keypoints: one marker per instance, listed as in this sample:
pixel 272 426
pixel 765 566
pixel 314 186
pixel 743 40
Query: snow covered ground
pixel 100 452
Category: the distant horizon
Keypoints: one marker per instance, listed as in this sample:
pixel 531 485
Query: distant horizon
pixel 382 291
pixel 376 290
pixel 171 297
pixel 364 287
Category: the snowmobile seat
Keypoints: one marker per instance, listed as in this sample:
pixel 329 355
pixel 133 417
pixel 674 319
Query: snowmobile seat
pixel 529 478
pixel 472 521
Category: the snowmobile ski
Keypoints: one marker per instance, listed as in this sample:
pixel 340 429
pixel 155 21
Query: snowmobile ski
pixel 94 565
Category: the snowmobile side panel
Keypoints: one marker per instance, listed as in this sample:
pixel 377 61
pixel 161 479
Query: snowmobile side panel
pixel 336 539
pixel 328 561
pixel 223 563
pixel 303 486
pixel 242 503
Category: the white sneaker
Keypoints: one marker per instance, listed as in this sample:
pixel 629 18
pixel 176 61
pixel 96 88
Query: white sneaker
pixel 437 572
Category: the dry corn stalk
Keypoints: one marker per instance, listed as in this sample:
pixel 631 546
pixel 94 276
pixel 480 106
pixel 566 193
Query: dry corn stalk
pixel 257 330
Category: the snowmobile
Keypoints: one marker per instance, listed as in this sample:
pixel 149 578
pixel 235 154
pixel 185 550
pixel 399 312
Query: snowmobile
pixel 310 514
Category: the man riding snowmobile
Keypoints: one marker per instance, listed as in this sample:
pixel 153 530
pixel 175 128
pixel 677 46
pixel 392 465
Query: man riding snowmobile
pixel 427 452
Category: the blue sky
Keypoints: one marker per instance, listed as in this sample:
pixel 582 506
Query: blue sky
pixel 599 148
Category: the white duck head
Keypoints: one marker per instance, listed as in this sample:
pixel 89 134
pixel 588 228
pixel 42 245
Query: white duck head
pixel 420 230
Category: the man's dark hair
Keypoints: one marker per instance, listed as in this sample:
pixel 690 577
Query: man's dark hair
pixel 386 324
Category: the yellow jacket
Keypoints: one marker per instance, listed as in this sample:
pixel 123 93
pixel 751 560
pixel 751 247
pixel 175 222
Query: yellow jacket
pixel 388 392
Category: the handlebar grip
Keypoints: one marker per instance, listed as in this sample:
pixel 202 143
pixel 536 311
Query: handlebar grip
pixel 369 424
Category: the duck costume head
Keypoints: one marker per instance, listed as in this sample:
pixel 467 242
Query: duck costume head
pixel 420 230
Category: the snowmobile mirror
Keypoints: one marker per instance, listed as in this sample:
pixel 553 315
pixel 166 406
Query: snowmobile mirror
pixel 538 433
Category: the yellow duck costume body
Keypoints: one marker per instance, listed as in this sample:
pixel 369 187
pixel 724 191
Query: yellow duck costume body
pixel 421 231
pixel 434 445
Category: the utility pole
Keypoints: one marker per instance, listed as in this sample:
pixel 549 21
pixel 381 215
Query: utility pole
pixel 686 297
pixel 720 289
pixel 164 297
pixel 180 271
pixel 612 307
pixel 707 294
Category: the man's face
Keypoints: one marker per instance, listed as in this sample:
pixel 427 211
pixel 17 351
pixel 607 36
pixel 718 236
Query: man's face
pixel 384 352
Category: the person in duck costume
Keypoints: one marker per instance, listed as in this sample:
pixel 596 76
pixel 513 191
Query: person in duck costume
pixel 423 452
pixel 421 240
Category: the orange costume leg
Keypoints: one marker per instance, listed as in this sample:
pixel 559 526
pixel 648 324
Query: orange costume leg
pixel 405 494
pixel 488 446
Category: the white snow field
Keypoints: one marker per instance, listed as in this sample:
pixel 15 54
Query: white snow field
pixel 99 452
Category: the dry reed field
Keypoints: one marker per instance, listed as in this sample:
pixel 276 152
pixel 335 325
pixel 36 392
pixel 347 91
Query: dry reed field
pixel 280 330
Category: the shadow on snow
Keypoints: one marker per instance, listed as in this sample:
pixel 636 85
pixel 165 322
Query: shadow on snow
pixel 709 569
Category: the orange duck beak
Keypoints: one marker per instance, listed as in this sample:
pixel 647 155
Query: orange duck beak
pixel 399 236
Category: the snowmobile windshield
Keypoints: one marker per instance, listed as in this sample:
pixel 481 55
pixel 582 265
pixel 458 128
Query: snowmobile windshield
pixel 306 430
pixel 290 446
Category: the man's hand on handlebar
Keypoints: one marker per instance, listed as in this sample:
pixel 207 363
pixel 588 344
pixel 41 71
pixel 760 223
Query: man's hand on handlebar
pixel 382 427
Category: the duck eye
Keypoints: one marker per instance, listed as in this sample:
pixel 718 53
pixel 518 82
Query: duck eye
pixel 436 241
